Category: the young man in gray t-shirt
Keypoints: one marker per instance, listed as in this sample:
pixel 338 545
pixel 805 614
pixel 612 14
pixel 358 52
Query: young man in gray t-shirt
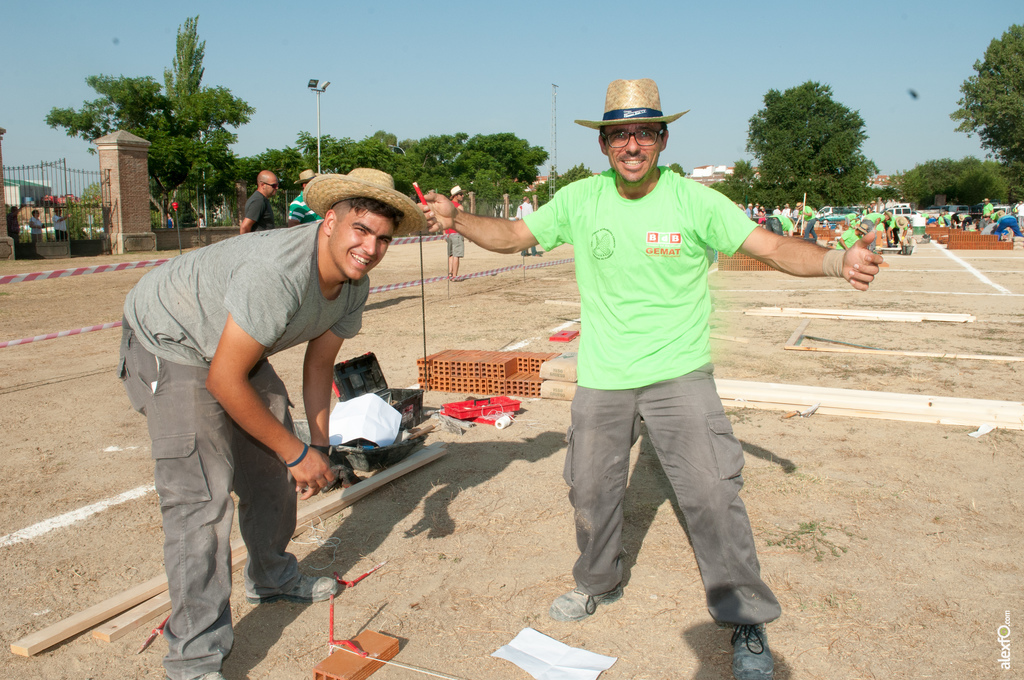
pixel 196 337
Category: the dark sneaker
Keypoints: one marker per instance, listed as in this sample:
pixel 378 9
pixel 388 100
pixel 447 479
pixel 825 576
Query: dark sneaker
pixel 577 605
pixel 751 658
pixel 305 590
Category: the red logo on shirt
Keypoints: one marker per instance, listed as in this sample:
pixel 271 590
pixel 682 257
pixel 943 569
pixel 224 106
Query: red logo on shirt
pixel 660 243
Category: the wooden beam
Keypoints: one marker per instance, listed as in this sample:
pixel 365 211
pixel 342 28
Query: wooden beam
pixel 868 404
pixel 62 630
pixel 58 632
pixel 898 353
pixel 857 314
pixel 798 334
pixel 730 338
pixel 120 626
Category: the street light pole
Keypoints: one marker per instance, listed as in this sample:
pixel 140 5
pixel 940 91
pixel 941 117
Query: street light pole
pixel 315 86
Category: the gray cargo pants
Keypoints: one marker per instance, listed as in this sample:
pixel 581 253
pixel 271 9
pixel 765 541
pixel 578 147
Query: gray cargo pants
pixel 702 459
pixel 199 456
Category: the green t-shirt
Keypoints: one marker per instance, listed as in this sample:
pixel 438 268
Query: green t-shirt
pixel 787 224
pixel 987 210
pixel 641 269
pixel 808 212
pixel 874 217
pixel 849 237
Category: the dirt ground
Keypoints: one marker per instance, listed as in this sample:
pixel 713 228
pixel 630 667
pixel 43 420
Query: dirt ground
pixel 894 547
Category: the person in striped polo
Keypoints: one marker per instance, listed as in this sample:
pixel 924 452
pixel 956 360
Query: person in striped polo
pixel 298 211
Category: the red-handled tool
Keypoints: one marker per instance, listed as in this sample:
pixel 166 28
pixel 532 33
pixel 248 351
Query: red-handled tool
pixel 419 193
pixel 159 630
pixel 349 584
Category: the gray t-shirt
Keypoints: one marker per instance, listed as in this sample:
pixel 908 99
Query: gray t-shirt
pixel 268 281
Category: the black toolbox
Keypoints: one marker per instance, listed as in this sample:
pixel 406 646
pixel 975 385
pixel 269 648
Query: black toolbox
pixel 362 375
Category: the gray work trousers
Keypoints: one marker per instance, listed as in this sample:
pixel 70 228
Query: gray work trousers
pixel 702 459
pixel 199 456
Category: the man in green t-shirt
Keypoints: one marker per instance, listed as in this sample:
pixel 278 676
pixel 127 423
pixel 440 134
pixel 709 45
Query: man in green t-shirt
pixel 640 233
pixel 808 217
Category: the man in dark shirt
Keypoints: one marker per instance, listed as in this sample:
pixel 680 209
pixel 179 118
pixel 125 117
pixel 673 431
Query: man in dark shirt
pixel 258 214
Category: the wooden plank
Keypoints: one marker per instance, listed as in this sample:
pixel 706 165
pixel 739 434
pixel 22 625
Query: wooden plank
pixel 868 404
pixel 121 625
pixel 794 339
pixel 888 352
pixel 730 338
pixel 62 630
pixel 873 315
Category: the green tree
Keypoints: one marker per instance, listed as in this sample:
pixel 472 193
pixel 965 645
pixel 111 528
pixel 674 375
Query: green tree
pixel 185 76
pixel 576 172
pixel 804 141
pixel 678 169
pixel 738 185
pixel 968 180
pixel 187 124
pixel 992 105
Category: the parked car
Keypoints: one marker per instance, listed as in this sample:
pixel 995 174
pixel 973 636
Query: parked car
pixel 952 209
pixel 838 214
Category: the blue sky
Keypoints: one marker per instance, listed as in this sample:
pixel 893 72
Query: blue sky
pixel 417 69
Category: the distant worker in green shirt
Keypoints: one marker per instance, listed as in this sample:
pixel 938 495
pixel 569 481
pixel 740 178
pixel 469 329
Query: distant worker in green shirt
pixel 808 216
pixel 851 234
pixel 298 211
pixel 640 233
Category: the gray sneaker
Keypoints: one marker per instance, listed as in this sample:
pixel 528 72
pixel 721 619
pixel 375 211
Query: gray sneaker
pixel 577 605
pixel 306 589
pixel 751 658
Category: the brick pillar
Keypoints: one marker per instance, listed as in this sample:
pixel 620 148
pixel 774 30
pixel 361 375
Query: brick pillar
pixel 124 175
pixel 6 242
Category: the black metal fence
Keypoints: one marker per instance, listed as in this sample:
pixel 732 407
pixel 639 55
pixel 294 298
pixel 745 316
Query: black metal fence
pixel 52 191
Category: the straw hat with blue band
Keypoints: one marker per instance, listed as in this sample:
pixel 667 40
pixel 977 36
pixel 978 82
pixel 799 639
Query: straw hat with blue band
pixel 631 101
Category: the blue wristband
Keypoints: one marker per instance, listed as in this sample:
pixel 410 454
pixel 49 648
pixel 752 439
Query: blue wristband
pixel 305 450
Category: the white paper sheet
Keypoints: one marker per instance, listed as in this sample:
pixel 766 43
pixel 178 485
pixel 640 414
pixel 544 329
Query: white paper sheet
pixel 547 659
pixel 365 417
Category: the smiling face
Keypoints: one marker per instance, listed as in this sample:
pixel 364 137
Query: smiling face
pixel 635 166
pixel 352 242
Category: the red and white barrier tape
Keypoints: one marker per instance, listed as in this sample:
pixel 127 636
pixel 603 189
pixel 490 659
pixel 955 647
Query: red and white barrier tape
pixel 401 241
pixel 101 268
pixel 79 271
pixel 374 289
pixel 61 334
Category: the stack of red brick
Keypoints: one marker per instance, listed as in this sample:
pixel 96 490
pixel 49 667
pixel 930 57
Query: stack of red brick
pixel 741 263
pixel 479 372
pixel 940 234
pixel 972 240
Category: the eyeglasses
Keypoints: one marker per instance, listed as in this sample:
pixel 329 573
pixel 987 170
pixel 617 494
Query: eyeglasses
pixel 644 137
pixel 275 184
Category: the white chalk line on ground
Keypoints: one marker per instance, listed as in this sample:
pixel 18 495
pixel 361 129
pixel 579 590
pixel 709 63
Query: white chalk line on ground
pixel 69 518
pixel 759 291
pixel 952 271
pixel 978 275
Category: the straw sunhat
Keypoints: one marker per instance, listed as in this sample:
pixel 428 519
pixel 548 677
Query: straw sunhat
pixel 305 176
pixel 631 101
pixel 323 191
